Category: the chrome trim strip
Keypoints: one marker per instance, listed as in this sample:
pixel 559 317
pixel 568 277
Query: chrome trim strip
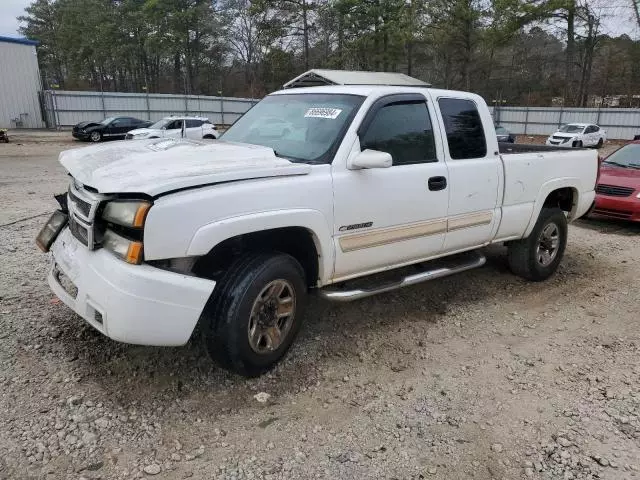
pixel 469 220
pixel 392 235
pixel 376 238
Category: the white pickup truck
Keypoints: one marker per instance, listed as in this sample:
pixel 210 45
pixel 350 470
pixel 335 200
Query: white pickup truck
pixel 156 236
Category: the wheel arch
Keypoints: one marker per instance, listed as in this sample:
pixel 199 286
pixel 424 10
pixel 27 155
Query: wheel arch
pixel 563 193
pixel 304 234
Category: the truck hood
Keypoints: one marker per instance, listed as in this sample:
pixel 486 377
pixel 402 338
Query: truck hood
pixel 158 166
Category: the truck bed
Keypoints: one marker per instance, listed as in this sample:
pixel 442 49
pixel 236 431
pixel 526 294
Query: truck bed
pixel 511 148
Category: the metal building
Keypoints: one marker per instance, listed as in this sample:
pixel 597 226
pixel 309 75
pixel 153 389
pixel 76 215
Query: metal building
pixel 19 84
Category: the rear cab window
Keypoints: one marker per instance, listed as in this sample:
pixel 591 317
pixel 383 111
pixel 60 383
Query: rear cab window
pixel 463 126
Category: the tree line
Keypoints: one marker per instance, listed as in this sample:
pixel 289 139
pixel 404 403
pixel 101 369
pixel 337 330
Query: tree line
pixel 526 52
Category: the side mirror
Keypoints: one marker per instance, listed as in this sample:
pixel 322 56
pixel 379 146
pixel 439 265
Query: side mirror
pixel 370 159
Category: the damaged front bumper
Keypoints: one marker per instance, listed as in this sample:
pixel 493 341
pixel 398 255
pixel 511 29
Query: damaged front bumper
pixel 137 304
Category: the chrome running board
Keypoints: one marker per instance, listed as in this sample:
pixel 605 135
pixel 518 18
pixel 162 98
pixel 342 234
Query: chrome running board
pixel 445 267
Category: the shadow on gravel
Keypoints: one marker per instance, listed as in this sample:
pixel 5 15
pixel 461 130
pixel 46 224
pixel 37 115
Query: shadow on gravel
pixel 334 335
pixel 610 226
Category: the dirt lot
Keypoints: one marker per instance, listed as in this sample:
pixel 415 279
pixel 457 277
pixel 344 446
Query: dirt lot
pixel 482 375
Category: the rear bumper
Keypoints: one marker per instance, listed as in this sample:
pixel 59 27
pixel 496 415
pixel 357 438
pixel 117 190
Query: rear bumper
pixel 624 208
pixel 136 304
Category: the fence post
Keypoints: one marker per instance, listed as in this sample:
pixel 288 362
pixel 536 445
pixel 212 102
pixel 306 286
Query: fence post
pixel 222 110
pixel 526 119
pixel 598 116
pixel 56 118
pixel 148 106
pixel 104 110
pixel 186 104
pixel 560 118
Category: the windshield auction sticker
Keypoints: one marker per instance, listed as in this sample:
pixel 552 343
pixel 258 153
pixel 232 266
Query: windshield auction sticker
pixel 322 112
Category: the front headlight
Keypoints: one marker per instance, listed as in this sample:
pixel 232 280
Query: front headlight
pixel 126 213
pixel 566 140
pixel 638 195
pixel 128 250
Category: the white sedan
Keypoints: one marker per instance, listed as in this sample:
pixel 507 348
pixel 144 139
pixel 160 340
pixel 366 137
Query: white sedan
pixel 577 135
pixel 175 127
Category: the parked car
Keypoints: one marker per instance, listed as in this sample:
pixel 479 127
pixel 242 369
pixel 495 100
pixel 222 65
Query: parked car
pixel 112 128
pixel 505 135
pixel 194 127
pixel 232 235
pixel 618 188
pixel 578 135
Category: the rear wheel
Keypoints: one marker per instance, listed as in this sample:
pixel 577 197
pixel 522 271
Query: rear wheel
pixel 95 136
pixel 537 257
pixel 255 312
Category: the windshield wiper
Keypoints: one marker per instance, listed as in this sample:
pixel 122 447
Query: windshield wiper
pixel 617 164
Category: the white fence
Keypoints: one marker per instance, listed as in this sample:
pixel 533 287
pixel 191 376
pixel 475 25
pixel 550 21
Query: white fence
pixel 620 123
pixel 66 108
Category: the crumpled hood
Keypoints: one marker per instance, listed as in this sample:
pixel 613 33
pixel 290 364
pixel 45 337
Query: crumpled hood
pixel 565 135
pixel 157 166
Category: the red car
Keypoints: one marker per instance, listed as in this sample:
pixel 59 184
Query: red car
pixel 618 188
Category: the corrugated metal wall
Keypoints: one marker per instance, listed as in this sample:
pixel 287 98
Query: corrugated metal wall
pixel 620 123
pixel 66 108
pixel 19 86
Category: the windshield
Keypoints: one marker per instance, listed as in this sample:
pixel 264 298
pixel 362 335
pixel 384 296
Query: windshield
pixel 302 127
pixel 627 156
pixel 107 121
pixel 570 128
pixel 502 131
pixel 158 125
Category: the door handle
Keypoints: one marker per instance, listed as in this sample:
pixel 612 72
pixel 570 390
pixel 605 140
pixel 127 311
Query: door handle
pixel 437 183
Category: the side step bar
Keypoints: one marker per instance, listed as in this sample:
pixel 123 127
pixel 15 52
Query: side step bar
pixel 462 263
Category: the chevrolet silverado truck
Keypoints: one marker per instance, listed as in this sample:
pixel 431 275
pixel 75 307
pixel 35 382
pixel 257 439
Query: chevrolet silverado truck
pixel 368 189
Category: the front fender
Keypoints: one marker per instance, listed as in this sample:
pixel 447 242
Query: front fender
pixel 555 184
pixel 210 235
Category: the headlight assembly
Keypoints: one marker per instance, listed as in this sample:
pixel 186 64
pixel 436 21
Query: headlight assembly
pixel 128 250
pixel 126 213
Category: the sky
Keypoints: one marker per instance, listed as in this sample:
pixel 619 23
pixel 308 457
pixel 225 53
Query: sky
pixel 619 17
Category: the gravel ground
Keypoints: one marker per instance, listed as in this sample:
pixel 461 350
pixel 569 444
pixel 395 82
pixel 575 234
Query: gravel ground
pixel 482 375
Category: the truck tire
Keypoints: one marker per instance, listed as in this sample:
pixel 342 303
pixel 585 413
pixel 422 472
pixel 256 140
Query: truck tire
pixel 537 257
pixel 255 312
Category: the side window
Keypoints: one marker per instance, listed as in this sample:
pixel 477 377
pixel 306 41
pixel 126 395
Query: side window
pixel 465 134
pixel 193 123
pixel 404 130
pixel 175 125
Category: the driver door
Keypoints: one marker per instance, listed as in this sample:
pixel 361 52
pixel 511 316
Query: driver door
pixel 385 217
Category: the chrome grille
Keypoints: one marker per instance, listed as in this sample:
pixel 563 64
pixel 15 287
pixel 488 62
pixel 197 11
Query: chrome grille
pixel 83 206
pixel 79 231
pixel 613 191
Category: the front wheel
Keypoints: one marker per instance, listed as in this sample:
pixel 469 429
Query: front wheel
pixel 95 137
pixel 255 312
pixel 577 144
pixel 600 143
pixel 537 257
